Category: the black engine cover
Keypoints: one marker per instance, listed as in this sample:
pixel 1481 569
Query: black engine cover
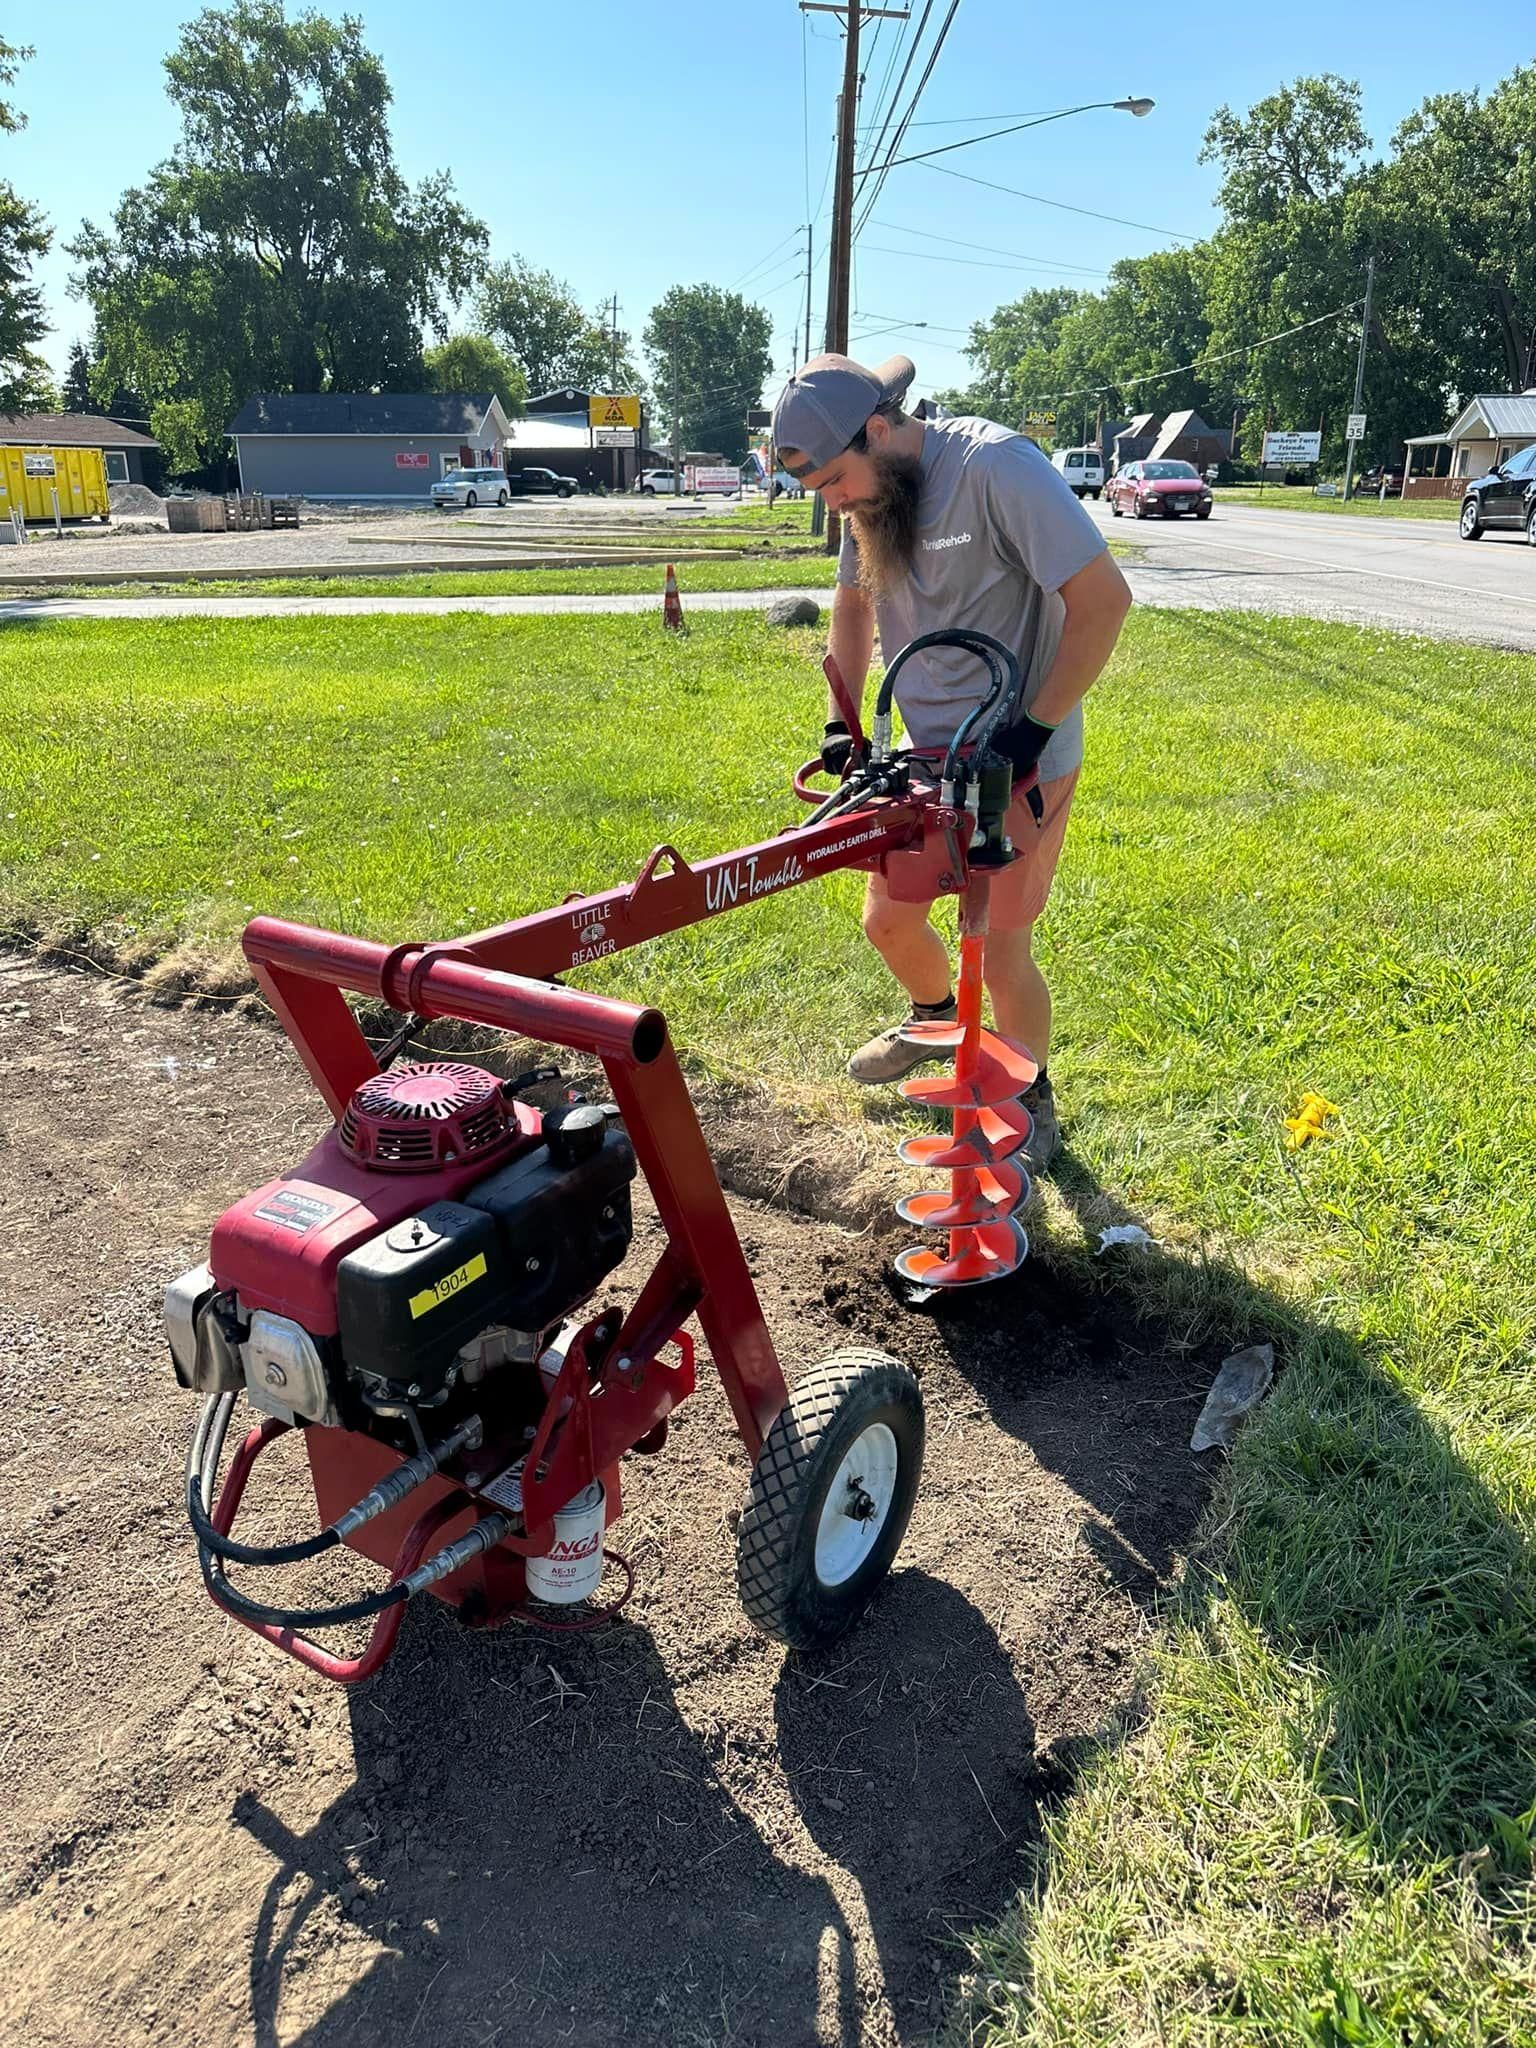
pixel 563 1226
pixel 408 1299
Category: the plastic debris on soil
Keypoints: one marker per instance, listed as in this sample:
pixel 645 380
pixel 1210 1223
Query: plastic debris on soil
pixel 1238 1388
pixel 1122 1233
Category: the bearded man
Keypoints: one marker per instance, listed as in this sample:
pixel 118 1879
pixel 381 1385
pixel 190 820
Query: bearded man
pixel 958 523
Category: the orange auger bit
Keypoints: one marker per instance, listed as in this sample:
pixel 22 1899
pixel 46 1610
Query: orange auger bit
pixel 986 1240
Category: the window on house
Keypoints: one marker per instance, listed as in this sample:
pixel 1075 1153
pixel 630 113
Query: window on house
pixel 117 465
pixel 450 464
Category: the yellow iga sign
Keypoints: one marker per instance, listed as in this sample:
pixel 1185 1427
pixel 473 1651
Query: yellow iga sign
pixel 617 409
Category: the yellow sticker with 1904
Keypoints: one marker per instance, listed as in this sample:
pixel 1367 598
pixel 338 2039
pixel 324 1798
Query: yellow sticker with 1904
pixel 449 1285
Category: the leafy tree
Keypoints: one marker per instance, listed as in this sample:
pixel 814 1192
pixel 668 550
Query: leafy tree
pixel 1459 199
pixel 712 348
pixel 76 395
pixel 278 248
pixel 473 362
pixel 560 346
pixel 24 236
pixel 1297 144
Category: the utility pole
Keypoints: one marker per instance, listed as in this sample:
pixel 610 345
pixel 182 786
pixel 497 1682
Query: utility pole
pixel 613 380
pixel 677 432
pixel 1365 329
pixel 840 254
pixel 809 272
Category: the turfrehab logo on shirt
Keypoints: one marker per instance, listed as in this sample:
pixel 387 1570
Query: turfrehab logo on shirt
pixel 947 540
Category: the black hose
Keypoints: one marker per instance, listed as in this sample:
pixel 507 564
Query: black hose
pixel 203 1465
pixel 998 706
pixel 208 1437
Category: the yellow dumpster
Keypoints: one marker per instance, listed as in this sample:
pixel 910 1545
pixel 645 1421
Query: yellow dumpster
pixel 29 478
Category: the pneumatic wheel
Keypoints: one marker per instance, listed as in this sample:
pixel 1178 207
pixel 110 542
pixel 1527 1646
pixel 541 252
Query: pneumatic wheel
pixel 1530 526
pixel 501 497
pixel 831 1492
pixel 1470 526
pixel 470 500
pixel 1115 509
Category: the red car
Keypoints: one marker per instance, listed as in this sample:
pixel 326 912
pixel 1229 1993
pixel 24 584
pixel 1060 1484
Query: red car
pixel 1166 488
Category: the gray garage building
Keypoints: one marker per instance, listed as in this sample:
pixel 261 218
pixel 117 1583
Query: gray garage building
pixel 364 445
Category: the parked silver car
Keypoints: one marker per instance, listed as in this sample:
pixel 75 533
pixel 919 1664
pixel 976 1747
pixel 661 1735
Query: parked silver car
pixel 471 487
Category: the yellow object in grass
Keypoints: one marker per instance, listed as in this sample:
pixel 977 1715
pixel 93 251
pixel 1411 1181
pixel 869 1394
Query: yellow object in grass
pixel 1309 1120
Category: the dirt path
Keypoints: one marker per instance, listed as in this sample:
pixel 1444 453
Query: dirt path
pixel 666 1832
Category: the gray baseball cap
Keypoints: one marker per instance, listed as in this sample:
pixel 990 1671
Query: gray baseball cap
pixel 824 405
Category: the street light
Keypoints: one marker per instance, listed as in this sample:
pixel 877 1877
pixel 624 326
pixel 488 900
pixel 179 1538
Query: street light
pixel 1139 108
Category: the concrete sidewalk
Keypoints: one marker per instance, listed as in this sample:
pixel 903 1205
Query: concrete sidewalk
pixel 356 607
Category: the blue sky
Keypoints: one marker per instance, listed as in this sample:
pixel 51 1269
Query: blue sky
pixel 644 144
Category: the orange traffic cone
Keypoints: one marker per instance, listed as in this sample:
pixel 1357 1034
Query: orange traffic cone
pixel 672 605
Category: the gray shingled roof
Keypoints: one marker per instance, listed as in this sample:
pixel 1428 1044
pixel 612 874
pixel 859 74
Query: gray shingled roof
pixel 69 430
pixel 363 412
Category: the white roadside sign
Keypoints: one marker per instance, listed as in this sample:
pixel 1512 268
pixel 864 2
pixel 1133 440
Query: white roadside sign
pixel 1355 430
pixel 1292 447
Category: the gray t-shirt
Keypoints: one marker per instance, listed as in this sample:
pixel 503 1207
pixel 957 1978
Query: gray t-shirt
pixel 999 532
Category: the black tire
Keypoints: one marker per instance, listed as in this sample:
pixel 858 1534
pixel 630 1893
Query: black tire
pixel 1096 496
pixel 777 1575
pixel 470 499
pixel 1469 526
pixel 1205 514
pixel 501 497
pixel 1114 509
pixel 647 490
pixel 1530 526
pixel 563 494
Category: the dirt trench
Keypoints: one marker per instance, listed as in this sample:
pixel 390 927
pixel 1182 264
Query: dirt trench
pixel 669 1831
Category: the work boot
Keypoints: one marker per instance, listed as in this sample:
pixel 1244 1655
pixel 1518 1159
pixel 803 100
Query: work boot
pixel 1045 1139
pixel 887 1058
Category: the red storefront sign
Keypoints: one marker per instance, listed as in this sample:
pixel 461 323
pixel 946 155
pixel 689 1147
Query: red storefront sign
pixel 410 460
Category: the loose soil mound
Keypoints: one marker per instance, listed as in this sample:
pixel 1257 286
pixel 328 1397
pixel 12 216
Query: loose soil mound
pixel 668 1831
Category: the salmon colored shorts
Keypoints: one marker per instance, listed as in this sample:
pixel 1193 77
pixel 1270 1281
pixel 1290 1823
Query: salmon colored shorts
pixel 1019 891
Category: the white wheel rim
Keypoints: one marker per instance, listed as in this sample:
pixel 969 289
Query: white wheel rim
pixel 1468 518
pixel 857 1504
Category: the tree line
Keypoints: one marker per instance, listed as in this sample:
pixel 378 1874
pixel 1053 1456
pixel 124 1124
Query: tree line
pixel 1448 213
pixel 279 249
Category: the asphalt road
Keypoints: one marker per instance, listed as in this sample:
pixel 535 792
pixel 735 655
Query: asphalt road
pixel 1414 575
pixel 1411 575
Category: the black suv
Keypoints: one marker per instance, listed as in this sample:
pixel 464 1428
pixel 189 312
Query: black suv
pixel 524 482
pixel 1504 499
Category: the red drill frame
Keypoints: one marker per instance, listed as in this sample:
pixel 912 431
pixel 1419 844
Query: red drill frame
pixel 505 979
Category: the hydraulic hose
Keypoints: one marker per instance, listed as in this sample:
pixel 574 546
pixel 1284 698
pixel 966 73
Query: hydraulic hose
pixel 996 708
pixel 207 1447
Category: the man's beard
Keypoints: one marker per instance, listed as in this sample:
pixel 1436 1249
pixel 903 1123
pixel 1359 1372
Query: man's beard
pixel 885 527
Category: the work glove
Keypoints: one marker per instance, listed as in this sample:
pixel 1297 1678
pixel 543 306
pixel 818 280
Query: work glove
pixel 836 746
pixel 1021 745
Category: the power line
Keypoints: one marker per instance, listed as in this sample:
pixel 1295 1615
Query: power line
pixel 766 262
pixel 954 242
pixel 912 51
pixel 976 262
pixel 944 171
pixel 884 170
pixel 1248 348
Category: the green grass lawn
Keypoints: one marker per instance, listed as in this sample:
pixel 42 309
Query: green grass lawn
pixel 1300 498
pixel 802 572
pixel 1301 859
